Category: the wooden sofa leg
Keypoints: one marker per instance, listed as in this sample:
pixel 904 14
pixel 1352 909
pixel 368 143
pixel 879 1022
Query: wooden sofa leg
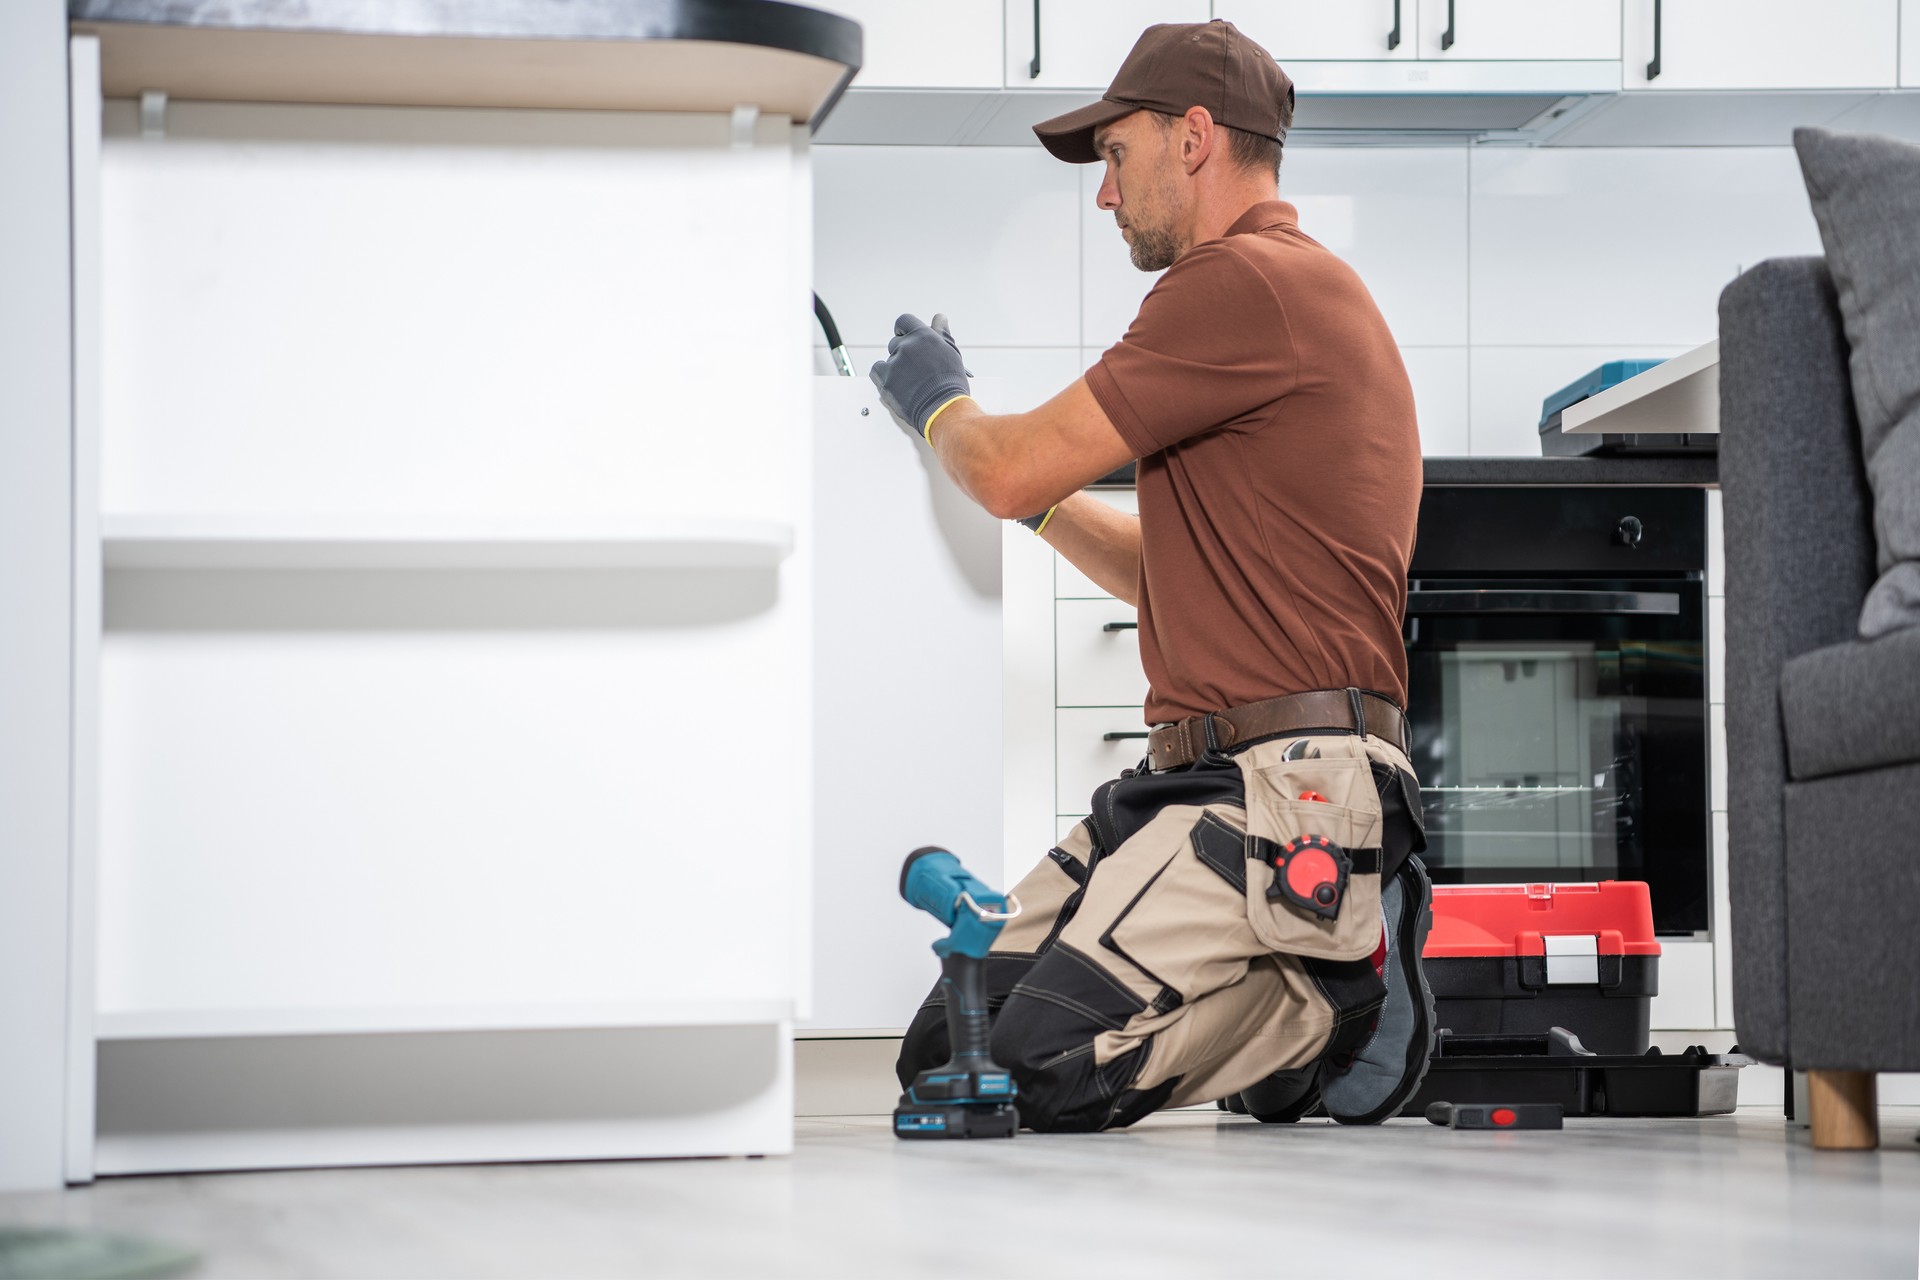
pixel 1844 1110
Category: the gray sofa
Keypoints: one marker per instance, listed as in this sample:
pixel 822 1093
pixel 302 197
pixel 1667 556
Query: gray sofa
pixel 1823 730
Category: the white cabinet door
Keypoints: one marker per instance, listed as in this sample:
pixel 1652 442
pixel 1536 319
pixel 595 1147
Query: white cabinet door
pixel 1316 31
pixel 1910 44
pixel 1082 42
pixel 926 44
pixel 1520 30
pixel 1763 44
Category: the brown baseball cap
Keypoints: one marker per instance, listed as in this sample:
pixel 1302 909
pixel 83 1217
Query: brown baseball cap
pixel 1177 66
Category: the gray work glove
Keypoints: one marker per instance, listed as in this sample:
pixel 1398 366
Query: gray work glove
pixel 922 374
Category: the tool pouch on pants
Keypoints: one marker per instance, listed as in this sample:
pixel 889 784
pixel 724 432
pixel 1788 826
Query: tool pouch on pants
pixel 1314 863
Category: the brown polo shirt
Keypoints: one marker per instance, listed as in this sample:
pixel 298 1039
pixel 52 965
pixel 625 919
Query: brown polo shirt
pixel 1279 472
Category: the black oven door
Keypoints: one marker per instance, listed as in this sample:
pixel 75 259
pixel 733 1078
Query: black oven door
pixel 1559 731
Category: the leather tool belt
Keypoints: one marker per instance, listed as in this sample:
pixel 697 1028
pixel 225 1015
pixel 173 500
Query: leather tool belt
pixel 1351 710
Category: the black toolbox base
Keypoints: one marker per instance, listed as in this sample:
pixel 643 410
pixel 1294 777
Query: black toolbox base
pixel 1554 1068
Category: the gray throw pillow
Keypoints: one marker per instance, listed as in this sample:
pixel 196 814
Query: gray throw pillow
pixel 1866 198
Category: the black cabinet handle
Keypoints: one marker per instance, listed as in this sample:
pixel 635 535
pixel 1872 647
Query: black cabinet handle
pixel 1121 626
pixel 1531 601
pixel 1393 36
pixel 1033 68
pixel 1653 68
pixel 1122 737
pixel 1446 37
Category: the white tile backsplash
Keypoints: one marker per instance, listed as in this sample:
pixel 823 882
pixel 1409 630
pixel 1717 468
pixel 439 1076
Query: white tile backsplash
pixel 1505 273
pixel 1398 216
pixel 1597 247
pixel 986 234
pixel 1112 286
pixel 1510 382
pixel 1439 377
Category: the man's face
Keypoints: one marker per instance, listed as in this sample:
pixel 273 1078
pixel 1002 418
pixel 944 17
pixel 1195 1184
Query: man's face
pixel 1142 186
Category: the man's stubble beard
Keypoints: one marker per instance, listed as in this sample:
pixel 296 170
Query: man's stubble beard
pixel 1154 245
pixel 1152 250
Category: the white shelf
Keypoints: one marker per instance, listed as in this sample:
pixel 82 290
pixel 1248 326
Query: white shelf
pixel 214 1024
pixel 366 542
pixel 1680 396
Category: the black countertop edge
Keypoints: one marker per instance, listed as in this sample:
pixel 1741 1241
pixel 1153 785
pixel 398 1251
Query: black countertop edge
pixel 770 24
pixel 1693 472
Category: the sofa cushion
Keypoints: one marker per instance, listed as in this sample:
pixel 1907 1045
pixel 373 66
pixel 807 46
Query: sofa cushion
pixel 1866 198
pixel 1853 706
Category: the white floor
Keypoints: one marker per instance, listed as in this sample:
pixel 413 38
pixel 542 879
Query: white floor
pixel 1186 1194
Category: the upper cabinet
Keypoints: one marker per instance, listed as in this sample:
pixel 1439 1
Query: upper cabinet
pixel 1455 30
pixel 1520 30
pixel 1081 43
pixel 1910 43
pixel 1763 44
pixel 926 44
pixel 1316 31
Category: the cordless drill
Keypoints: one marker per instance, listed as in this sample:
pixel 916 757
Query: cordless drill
pixel 970 1096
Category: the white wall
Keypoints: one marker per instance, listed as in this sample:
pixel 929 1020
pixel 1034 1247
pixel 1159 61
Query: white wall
pixel 1504 272
pixel 35 576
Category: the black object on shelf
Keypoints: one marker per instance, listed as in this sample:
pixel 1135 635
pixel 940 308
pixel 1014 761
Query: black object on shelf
pixel 1557 1068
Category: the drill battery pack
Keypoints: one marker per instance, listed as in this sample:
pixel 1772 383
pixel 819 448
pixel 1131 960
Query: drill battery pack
pixel 955 1120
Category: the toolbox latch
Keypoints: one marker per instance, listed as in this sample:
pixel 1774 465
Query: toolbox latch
pixel 1573 958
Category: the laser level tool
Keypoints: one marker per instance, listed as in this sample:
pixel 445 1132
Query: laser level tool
pixel 970 1096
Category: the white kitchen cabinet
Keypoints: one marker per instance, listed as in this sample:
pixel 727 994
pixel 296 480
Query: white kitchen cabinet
pixel 1761 44
pixel 926 44
pixel 1315 31
pixel 889 610
pixel 1910 44
pixel 383 609
pixel 1520 30
pixel 1097 648
pixel 1081 43
pixel 1455 30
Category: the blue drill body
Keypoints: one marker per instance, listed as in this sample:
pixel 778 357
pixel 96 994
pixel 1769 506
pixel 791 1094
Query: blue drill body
pixel 969 1096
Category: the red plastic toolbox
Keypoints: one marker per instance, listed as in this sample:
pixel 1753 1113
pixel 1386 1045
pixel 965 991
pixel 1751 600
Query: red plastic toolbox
pixel 1521 959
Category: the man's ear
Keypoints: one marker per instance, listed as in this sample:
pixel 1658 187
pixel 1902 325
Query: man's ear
pixel 1197 138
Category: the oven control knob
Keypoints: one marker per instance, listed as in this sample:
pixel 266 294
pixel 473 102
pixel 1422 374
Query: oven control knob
pixel 1627 532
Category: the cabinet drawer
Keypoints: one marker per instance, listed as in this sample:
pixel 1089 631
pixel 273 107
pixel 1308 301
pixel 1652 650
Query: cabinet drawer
pixel 1068 582
pixel 1084 759
pixel 1071 584
pixel 1097 655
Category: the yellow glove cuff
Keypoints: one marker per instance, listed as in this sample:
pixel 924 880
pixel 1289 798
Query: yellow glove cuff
pixel 927 431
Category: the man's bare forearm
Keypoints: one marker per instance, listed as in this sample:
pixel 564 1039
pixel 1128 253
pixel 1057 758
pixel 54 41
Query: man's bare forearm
pixel 1102 543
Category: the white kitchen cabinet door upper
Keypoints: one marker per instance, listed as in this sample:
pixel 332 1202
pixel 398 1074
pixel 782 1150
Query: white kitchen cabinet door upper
pixel 926 44
pixel 1520 30
pixel 1316 31
pixel 1764 44
pixel 1910 43
pixel 1082 42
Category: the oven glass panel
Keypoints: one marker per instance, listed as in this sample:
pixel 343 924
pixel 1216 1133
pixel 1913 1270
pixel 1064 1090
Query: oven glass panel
pixel 1559 732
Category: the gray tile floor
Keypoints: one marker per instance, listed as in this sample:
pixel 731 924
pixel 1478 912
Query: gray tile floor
pixel 1184 1194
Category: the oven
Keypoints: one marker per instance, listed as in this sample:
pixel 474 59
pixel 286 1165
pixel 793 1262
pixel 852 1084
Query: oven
pixel 1557 689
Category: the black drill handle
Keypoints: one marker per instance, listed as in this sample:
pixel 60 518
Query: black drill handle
pixel 968 1028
